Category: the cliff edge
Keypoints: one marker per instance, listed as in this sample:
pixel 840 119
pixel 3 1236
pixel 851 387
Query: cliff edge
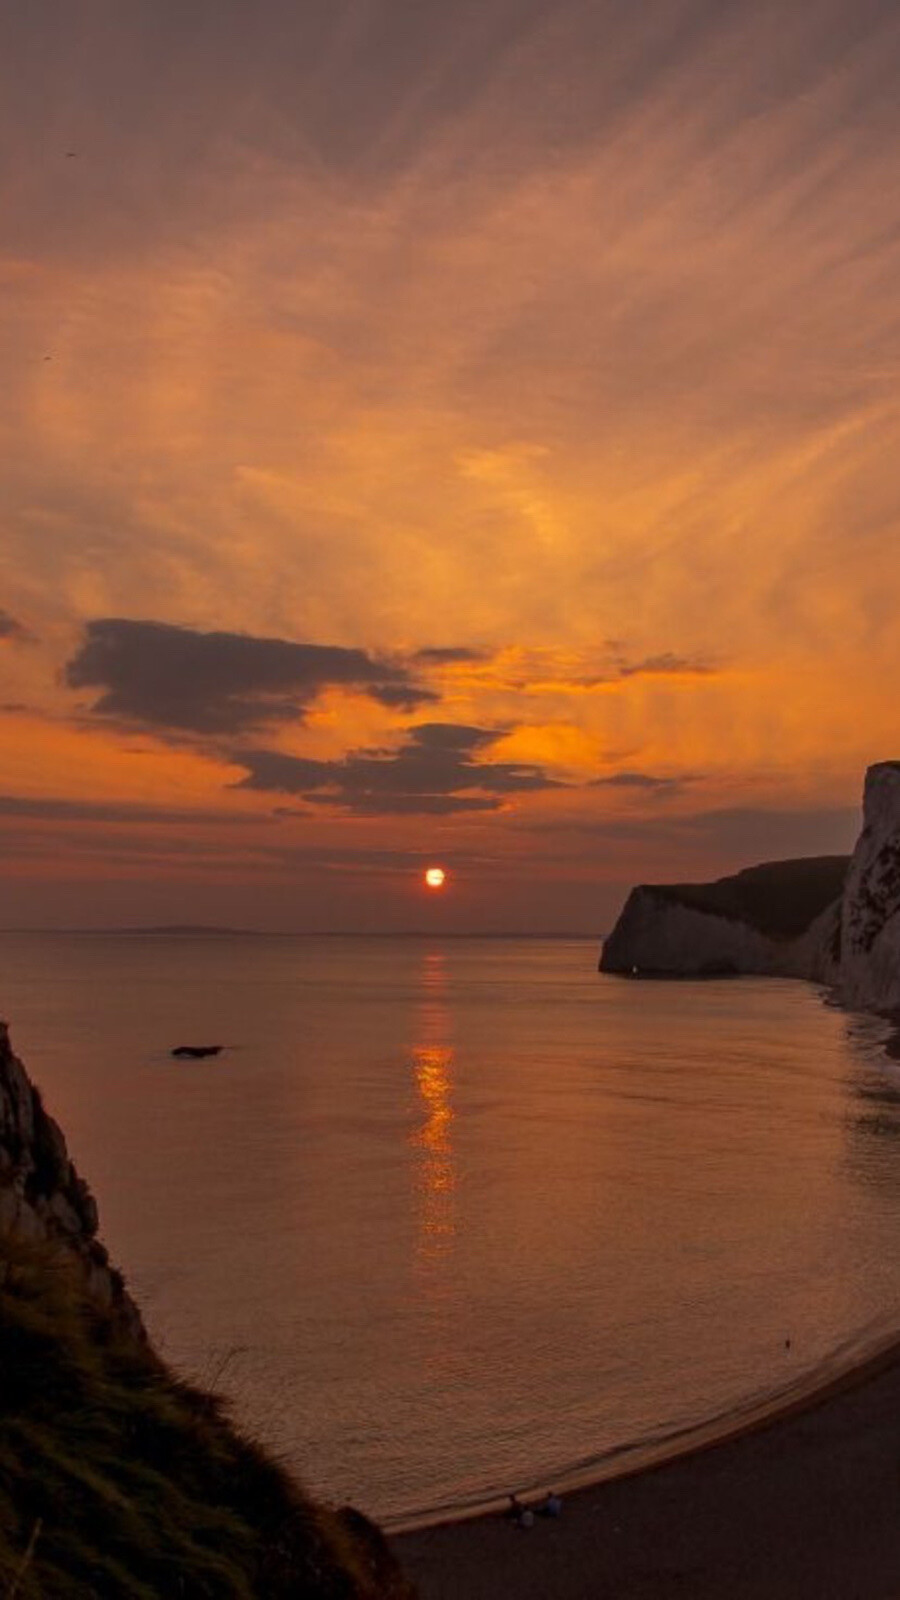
pixel 43 1199
pixel 118 1480
pixel 779 918
pixel 831 919
pixel 869 977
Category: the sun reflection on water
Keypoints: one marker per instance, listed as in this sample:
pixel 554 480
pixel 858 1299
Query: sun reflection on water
pixel 432 1138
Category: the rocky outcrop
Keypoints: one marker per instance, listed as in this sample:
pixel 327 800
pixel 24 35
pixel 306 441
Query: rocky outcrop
pixel 43 1199
pixel 780 918
pixel 869 976
pixel 823 918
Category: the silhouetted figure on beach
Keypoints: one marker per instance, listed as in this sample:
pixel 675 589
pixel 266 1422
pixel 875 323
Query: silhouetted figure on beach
pixel 522 1516
pixel 552 1506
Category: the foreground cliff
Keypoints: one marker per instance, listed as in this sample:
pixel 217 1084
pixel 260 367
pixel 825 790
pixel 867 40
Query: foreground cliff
pixel 829 919
pixel 117 1480
pixel 42 1198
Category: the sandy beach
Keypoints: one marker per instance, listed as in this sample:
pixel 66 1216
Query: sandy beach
pixel 803 1506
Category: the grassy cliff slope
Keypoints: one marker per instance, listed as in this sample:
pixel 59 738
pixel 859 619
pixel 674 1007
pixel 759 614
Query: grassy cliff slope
pixel 778 898
pixel 119 1480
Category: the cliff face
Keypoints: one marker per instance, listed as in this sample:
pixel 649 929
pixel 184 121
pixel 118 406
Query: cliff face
pixel 781 918
pixel 42 1198
pixel 824 919
pixel 870 920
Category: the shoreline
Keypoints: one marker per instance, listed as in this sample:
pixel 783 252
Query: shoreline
pixel 811 1389
pixel 817 1474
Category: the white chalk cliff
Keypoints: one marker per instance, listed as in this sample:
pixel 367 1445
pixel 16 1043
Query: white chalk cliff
pixel 780 918
pixel 824 918
pixel 869 976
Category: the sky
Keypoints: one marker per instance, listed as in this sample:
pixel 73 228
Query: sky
pixel 460 434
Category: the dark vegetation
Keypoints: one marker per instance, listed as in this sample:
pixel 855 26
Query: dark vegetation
pixel 779 898
pixel 118 1481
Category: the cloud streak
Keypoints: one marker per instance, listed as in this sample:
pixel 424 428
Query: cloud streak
pixel 641 781
pixel 12 630
pixel 666 665
pixel 49 809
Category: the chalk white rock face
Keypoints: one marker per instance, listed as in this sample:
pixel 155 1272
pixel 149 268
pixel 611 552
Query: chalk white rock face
pixel 816 954
pixel 870 923
pixel 655 935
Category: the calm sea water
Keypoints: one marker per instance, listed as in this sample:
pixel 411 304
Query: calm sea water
pixel 453 1217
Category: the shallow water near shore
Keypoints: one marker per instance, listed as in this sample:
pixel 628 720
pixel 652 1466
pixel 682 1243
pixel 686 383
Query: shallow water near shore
pixel 453 1217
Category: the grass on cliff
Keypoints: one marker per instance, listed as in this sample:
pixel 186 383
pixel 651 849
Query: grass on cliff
pixel 779 898
pixel 121 1482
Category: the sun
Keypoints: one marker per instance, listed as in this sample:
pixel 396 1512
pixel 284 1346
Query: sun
pixel 435 877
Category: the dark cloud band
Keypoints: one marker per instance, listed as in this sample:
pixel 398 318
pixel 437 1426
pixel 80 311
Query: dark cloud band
pixel 59 810
pixel 168 677
pixel 432 774
pixel 666 665
pixel 447 655
pixel 645 781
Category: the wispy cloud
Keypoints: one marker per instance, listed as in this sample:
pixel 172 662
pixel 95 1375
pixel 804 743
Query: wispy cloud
pixel 705 843
pixel 49 809
pixel 13 630
pixel 642 781
pixel 666 665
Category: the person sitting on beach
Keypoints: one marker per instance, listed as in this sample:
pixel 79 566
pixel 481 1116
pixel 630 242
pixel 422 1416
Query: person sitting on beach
pixel 522 1516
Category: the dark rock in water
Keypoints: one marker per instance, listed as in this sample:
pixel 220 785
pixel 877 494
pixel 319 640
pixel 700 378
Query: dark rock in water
pixel 193 1052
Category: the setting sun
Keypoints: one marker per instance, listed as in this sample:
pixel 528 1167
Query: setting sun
pixel 435 877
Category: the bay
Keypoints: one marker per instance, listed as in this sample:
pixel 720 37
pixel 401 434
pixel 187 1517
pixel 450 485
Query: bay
pixel 449 1217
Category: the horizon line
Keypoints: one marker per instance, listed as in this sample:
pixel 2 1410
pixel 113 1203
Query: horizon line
pixel 223 930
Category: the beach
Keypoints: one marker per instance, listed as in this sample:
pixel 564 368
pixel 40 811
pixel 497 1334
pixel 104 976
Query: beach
pixel 802 1506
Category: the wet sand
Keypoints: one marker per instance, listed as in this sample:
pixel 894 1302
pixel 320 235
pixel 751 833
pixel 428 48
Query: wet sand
pixel 803 1506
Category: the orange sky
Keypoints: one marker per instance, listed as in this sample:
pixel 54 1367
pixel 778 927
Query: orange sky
pixel 463 432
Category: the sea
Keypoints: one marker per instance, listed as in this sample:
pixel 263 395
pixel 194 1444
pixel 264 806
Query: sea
pixel 453 1217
